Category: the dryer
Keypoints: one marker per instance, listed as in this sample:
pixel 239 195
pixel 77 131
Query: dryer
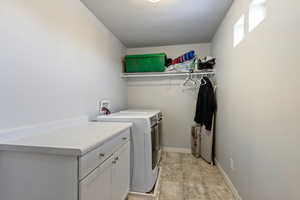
pixel 159 115
pixel 144 151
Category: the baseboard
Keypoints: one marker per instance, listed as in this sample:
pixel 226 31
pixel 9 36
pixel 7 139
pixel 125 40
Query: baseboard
pixel 176 150
pixel 228 182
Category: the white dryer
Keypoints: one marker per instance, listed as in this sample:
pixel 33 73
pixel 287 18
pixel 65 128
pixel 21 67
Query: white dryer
pixel 144 152
pixel 159 136
pixel 156 112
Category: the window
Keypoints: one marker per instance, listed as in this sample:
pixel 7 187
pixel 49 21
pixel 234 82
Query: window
pixel 239 31
pixel 257 13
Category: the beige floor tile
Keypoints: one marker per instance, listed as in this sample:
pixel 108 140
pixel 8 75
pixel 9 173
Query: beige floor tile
pixel 195 192
pixel 192 172
pixel 171 157
pixel 213 179
pixel 184 177
pixel 172 172
pixel 220 193
pixel 190 159
pixel 171 191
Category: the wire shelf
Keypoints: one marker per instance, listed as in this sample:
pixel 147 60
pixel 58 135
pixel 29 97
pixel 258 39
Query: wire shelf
pixel 166 74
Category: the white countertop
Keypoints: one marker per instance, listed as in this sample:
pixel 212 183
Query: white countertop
pixel 75 140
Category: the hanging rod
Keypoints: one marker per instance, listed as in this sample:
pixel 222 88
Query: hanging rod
pixel 165 74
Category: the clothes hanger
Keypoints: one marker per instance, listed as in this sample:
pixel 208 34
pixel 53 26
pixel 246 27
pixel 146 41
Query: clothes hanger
pixel 185 81
pixel 201 82
pixel 188 80
pixel 198 82
pixel 202 79
pixel 194 80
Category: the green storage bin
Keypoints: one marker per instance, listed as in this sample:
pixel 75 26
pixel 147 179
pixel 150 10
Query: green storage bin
pixel 145 63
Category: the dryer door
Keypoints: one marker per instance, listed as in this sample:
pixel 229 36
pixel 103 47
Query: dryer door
pixel 155 145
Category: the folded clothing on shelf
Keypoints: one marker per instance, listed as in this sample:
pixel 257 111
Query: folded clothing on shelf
pixel 186 66
pixel 207 63
pixel 185 57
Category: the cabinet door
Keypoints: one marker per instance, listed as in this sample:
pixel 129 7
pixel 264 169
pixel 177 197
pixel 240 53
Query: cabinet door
pixel 97 185
pixel 121 173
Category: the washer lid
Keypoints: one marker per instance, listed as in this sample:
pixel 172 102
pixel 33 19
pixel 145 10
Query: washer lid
pixel 140 111
pixel 128 115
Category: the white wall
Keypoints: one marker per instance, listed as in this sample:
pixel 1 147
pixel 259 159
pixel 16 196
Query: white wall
pixel 258 102
pixel 165 93
pixel 56 61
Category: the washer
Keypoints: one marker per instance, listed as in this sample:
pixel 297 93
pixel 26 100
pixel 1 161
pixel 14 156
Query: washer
pixel 159 115
pixel 144 151
pixel 156 112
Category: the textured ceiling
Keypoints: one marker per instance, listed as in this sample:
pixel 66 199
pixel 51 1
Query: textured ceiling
pixel 139 23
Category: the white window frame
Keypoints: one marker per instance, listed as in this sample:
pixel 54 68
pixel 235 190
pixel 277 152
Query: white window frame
pixel 239 31
pixel 257 13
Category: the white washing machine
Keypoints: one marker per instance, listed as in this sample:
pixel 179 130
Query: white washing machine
pixel 156 112
pixel 144 152
pixel 159 115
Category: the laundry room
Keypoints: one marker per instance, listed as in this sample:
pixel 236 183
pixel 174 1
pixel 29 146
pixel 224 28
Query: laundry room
pixel 149 100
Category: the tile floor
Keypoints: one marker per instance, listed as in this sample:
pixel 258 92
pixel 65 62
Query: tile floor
pixel 184 177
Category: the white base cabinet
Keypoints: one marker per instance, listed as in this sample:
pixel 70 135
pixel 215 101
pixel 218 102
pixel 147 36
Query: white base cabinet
pixel 121 173
pixel 98 185
pixel 109 181
pixel 101 174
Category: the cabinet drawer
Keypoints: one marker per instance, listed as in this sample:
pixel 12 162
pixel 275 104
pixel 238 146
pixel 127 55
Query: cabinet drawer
pixel 97 185
pixel 91 160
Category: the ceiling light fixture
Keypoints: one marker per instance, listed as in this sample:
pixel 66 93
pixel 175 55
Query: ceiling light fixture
pixel 154 1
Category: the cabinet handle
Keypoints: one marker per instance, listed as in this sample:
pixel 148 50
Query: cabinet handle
pixel 114 162
pixel 124 138
pixel 117 158
pixel 101 155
